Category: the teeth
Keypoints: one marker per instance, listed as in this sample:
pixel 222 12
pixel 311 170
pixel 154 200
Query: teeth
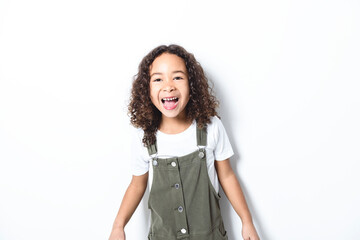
pixel 169 99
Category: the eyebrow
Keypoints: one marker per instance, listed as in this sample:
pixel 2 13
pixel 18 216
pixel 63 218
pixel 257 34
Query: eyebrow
pixel 177 71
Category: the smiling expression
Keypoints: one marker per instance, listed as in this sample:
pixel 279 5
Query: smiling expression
pixel 169 85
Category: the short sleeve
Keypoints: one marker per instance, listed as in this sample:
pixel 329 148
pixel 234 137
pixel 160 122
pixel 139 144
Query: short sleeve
pixel 223 149
pixel 139 156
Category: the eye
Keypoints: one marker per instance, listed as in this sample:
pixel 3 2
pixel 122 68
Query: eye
pixel 178 78
pixel 156 80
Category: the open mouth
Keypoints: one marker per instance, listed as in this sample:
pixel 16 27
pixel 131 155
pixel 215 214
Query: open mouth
pixel 170 103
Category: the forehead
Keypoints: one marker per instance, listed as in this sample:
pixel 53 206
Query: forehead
pixel 167 62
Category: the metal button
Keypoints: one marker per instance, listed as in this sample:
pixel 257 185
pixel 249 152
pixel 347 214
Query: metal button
pixel 173 164
pixel 183 231
pixel 180 209
pixel 155 163
pixel 177 186
pixel 201 154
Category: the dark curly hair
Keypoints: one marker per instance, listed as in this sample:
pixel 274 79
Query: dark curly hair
pixel 202 102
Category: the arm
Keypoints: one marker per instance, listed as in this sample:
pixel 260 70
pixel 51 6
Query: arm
pixel 131 200
pixel 233 192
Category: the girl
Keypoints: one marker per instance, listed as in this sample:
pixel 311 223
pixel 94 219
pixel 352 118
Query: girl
pixel 183 149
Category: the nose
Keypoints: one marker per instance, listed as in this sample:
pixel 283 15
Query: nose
pixel 169 86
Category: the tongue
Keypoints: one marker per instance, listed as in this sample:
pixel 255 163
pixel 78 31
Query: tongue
pixel 169 105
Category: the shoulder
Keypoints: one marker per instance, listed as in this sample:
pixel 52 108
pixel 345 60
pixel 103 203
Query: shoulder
pixel 137 135
pixel 218 140
pixel 215 120
pixel 215 124
pixel 214 128
pixel 139 155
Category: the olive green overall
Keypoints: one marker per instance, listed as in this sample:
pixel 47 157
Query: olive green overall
pixel 183 202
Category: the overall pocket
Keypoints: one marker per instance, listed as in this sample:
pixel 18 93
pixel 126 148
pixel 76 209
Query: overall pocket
pixel 220 235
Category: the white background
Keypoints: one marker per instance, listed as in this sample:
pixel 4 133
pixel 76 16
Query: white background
pixel 286 74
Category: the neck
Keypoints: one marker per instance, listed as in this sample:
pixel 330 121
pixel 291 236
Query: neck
pixel 174 125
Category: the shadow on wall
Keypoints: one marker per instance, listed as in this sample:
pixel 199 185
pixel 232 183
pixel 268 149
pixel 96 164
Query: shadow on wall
pixel 227 211
pixel 226 208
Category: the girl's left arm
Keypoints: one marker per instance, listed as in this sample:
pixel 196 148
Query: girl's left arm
pixel 233 192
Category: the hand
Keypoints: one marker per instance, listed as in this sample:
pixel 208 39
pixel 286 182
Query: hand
pixel 249 232
pixel 117 234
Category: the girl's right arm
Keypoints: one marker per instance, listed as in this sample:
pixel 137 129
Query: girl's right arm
pixel 131 200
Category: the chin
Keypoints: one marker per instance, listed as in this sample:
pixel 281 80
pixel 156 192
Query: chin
pixel 170 115
pixel 173 113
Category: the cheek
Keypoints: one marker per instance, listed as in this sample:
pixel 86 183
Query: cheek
pixel 187 89
pixel 153 92
pixel 153 100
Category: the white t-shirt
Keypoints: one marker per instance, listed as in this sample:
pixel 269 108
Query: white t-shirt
pixel 170 145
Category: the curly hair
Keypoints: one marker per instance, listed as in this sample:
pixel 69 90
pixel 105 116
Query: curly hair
pixel 202 102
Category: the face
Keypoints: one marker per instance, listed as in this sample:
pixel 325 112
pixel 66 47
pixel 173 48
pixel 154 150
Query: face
pixel 169 85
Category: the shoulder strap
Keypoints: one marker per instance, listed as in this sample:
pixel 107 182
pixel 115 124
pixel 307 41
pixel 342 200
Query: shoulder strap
pixel 201 139
pixel 201 136
pixel 152 149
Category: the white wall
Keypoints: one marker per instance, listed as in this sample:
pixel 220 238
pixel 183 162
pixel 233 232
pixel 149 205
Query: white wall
pixel 286 73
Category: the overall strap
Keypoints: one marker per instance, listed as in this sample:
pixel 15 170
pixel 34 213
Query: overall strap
pixel 152 149
pixel 201 136
pixel 201 139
